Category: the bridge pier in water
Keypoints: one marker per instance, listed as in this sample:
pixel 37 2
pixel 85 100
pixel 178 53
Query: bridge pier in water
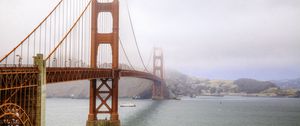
pixel 103 92
pixel 157 91
pixel 158 70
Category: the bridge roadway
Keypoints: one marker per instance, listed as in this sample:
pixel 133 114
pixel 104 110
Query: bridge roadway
pixel 16 75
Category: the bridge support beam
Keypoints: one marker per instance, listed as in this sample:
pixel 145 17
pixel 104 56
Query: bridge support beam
pixel 104 91
pixel 158 70
pixel 157 91
pixel 41 91
pixel 115 96
pixel 103 123
pixel 92 109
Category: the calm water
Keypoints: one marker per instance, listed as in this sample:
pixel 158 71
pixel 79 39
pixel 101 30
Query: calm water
pixel 203 111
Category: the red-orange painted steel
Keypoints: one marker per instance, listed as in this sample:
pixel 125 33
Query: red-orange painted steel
pixel 18 83
pixel 55 75
pixel 18 97
pixel 71 74
pixel 113 40
pixel 158 70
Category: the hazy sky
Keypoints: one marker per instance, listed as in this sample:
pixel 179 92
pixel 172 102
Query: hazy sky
pixel 222 39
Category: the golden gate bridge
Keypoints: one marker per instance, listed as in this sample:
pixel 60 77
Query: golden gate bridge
pixel 77 40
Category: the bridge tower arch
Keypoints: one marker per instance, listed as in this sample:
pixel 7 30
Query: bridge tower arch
pixel 97 39
pixel 158 70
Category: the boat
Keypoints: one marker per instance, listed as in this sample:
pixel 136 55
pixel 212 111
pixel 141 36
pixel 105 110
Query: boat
pixel 179 97
pixel 128 105
pixel 136 97
pixel 217 95
pixel 193 96
pixel 72 96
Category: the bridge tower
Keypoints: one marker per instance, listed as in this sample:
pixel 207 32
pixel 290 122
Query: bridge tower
pixel 158 70
pixel 96 92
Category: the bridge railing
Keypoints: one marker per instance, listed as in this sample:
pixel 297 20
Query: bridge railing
pixel 16 65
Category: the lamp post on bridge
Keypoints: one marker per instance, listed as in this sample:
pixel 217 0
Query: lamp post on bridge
pixel 70 63
pixel 19 60
pixel 54 63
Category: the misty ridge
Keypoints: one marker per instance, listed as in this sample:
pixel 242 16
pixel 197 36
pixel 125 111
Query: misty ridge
pixel 180 84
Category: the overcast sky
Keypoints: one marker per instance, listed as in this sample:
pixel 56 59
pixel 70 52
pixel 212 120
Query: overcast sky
pixel 218 39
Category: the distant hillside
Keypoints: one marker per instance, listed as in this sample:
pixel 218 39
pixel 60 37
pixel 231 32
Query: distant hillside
pixel 181 84
pixel 253 86
pixel 288 83
pixel 128 87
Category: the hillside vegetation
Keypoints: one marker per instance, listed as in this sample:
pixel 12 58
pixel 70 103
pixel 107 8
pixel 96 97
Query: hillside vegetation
pixel 178 84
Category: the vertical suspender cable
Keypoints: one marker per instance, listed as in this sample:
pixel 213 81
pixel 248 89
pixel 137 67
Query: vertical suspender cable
pixel 54 38
pixel 34 43
pixel 69 59
pixel 14 57
pixel 45 39
pixel 28 50
pixel 50 36
pixel 40 40
pixel 64 59
pixel 21 55
pixel 60 27
pixel 82 19
pixel 78 45
pixel 60 50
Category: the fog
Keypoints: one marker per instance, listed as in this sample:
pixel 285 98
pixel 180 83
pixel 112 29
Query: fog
pixel 218 39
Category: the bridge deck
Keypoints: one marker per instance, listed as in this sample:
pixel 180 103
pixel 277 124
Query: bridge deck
pixel 55 75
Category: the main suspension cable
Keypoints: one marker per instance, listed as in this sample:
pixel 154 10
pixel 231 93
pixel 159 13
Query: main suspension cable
pixel 121 43
pixel 135 40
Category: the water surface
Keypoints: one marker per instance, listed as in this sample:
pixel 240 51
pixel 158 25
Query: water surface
pixel 202 111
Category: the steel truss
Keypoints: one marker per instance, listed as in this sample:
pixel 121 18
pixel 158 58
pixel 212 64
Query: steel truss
pixel 18 95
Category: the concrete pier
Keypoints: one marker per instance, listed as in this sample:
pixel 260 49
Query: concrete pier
pixel 41 91
pixel 157 98
pixel 104 123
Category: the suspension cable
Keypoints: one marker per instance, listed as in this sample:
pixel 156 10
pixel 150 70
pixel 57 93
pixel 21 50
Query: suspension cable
pixel 149 60
pixel 135 40
pixel 121 43
pixel 69 31
pixel 27 37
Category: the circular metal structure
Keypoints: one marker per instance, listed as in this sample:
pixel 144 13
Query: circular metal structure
pixel 13 114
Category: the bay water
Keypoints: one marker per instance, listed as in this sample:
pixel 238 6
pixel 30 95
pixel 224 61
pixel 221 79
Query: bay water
pixel 200 111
